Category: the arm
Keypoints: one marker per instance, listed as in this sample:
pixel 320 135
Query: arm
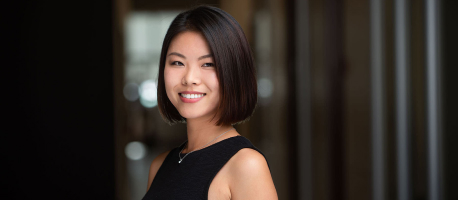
pixel 155 165
pixel 251 177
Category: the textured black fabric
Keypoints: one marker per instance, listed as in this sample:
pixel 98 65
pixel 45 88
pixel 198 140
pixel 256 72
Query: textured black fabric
pixel 191 178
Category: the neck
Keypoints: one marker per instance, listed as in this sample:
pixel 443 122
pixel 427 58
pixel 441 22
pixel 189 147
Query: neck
pixel 200 132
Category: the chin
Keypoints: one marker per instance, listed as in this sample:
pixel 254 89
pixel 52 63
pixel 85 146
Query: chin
pixel 189 115
pixel 192 114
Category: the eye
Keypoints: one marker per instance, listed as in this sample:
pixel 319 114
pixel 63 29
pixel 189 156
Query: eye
pixel 208 65
pixel 178 63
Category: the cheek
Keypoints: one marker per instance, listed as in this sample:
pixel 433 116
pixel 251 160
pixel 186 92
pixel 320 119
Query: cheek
pixel 215 86
pixel 213 83
pixel 169 81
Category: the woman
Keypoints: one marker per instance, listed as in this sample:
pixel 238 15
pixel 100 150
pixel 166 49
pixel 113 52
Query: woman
pixel 207 79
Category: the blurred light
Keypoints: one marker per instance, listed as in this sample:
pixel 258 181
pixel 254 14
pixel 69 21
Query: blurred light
pixel 148 93
pixel 131 91
pixel 265 87
pixel 135 150
pixel 137 33
pixel 145 31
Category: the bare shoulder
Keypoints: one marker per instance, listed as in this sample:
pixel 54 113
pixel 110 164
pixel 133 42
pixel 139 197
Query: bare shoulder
pixel 155 165
pixel 251 178
pixel 248 159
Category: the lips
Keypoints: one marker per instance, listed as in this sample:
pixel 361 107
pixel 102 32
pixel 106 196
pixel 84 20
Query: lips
pixel 191 96
pixel 191 92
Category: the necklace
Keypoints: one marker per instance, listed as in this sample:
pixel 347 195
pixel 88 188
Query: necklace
pixel 181 159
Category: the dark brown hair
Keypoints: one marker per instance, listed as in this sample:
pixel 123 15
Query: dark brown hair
pixel 233 61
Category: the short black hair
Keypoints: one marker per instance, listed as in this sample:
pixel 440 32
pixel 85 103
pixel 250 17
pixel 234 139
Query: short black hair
pixel 233 61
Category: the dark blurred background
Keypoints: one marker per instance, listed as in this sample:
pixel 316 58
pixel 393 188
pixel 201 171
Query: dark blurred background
pixel 357 98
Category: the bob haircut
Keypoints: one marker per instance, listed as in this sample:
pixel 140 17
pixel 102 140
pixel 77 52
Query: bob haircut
pixel 233 63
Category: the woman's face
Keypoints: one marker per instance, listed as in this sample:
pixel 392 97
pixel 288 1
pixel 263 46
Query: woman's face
pixel 190 77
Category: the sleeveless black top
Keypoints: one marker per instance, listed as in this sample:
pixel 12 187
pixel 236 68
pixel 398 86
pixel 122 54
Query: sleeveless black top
pixel 191 178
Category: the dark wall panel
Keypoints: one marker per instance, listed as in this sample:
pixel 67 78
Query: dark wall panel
pixel 450 95
pixel 58 136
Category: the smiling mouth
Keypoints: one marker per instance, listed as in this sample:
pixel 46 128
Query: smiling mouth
pixel 192 96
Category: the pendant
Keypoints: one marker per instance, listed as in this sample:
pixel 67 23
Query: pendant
pixel 179 161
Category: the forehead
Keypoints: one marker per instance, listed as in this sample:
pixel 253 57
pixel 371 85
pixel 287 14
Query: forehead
pixel 189 43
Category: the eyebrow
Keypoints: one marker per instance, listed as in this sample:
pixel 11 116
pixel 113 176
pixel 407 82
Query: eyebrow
pixel 182 56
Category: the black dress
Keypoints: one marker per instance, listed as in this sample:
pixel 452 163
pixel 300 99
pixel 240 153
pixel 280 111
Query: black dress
pixel 191 178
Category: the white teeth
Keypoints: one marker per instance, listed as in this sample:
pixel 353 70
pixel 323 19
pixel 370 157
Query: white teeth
pixel 192 96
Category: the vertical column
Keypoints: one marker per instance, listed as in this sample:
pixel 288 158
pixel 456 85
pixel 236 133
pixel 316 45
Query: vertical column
pixel 402 90
pixel 303 95
pixel 377 100
pixel 334 67
pixel 433 94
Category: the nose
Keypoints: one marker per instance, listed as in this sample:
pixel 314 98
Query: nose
pixel 192 76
